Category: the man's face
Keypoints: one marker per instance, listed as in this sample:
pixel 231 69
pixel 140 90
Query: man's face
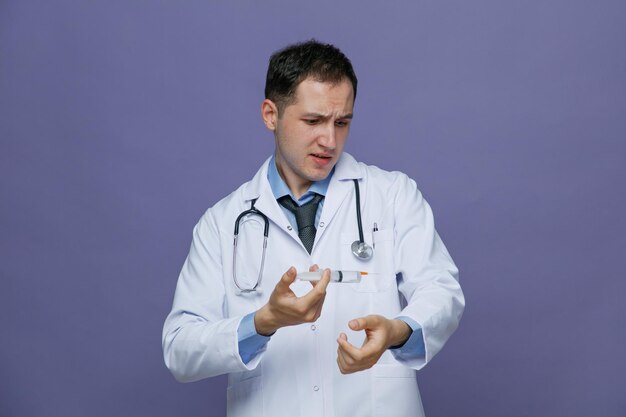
pixel 311 133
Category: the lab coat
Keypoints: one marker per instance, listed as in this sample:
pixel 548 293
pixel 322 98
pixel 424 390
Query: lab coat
pixel 296 375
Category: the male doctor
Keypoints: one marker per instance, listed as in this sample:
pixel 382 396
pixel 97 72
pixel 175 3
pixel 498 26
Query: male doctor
pixel 296 348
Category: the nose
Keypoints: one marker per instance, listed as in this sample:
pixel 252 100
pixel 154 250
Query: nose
pixel 328 139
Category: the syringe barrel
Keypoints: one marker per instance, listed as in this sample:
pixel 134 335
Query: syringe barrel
pixel 335 276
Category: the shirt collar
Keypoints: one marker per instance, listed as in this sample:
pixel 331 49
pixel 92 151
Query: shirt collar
pixel 280 188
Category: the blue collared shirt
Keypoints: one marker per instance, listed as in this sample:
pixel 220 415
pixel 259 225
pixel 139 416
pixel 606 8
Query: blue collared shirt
pixel 280 189
pixel 250 342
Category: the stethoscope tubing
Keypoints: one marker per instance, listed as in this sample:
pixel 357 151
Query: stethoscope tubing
pixel 266 231
pixel 358 210
pixel 360 249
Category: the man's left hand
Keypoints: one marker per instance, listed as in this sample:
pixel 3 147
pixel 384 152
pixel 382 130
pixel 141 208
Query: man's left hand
pixel 380 334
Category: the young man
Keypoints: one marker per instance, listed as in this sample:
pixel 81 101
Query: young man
pixel 292 348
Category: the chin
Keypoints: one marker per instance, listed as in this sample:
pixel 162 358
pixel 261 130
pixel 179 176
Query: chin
pixel 319 175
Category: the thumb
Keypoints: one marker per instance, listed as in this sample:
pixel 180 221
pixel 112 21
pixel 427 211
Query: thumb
pixel 288 278
pixel 358 324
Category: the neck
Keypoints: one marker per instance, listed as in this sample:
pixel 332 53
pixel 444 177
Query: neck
pixel 297 186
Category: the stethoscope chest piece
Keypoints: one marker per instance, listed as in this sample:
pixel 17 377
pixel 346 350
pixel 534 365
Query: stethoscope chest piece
pixel 362 250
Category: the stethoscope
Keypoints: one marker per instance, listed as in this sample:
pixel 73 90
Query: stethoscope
pixel 360 249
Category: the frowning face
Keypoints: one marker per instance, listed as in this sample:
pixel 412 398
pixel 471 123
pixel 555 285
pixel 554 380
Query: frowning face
pixel 311 132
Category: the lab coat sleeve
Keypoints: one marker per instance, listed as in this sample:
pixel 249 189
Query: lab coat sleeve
pixel 199 340
pixel 428 277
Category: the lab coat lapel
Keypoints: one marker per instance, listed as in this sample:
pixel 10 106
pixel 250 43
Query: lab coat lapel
pixel 340 187
pixel 259 188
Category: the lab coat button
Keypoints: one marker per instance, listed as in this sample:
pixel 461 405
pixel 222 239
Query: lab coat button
pixel 321 224
pixel 313 327
pixel 316 388
pixel 289 227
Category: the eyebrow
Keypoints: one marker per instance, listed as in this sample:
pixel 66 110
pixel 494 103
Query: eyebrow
pixel 325 116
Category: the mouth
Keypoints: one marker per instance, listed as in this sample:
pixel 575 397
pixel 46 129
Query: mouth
pixel 321 159
pixel 321 155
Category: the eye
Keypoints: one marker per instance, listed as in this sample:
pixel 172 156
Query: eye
pixel 342 123
pixel 311 122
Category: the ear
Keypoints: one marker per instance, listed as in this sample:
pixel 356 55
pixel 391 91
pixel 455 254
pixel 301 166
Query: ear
pixel 269 113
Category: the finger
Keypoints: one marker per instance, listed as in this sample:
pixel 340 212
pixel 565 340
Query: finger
pixel 319 307
pixel 341 353
pixel 318 292
pixel 346 361
pixel 349 349
pixel 314 283
pixel 342 362
pixel 323 283
pixel 353 359
pixel 310 306
pixel 314 268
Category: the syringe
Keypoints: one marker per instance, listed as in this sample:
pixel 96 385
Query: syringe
pixel 335 276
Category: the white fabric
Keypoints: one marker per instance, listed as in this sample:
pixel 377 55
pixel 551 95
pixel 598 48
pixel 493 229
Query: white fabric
pixel 297 374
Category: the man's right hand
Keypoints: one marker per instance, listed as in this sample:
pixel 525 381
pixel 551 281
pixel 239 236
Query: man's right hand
pixel 284 308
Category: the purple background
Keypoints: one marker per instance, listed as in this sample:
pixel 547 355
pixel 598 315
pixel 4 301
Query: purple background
pixel 122 121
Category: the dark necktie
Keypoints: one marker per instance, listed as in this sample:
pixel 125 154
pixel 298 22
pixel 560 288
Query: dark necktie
pixel 305 218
